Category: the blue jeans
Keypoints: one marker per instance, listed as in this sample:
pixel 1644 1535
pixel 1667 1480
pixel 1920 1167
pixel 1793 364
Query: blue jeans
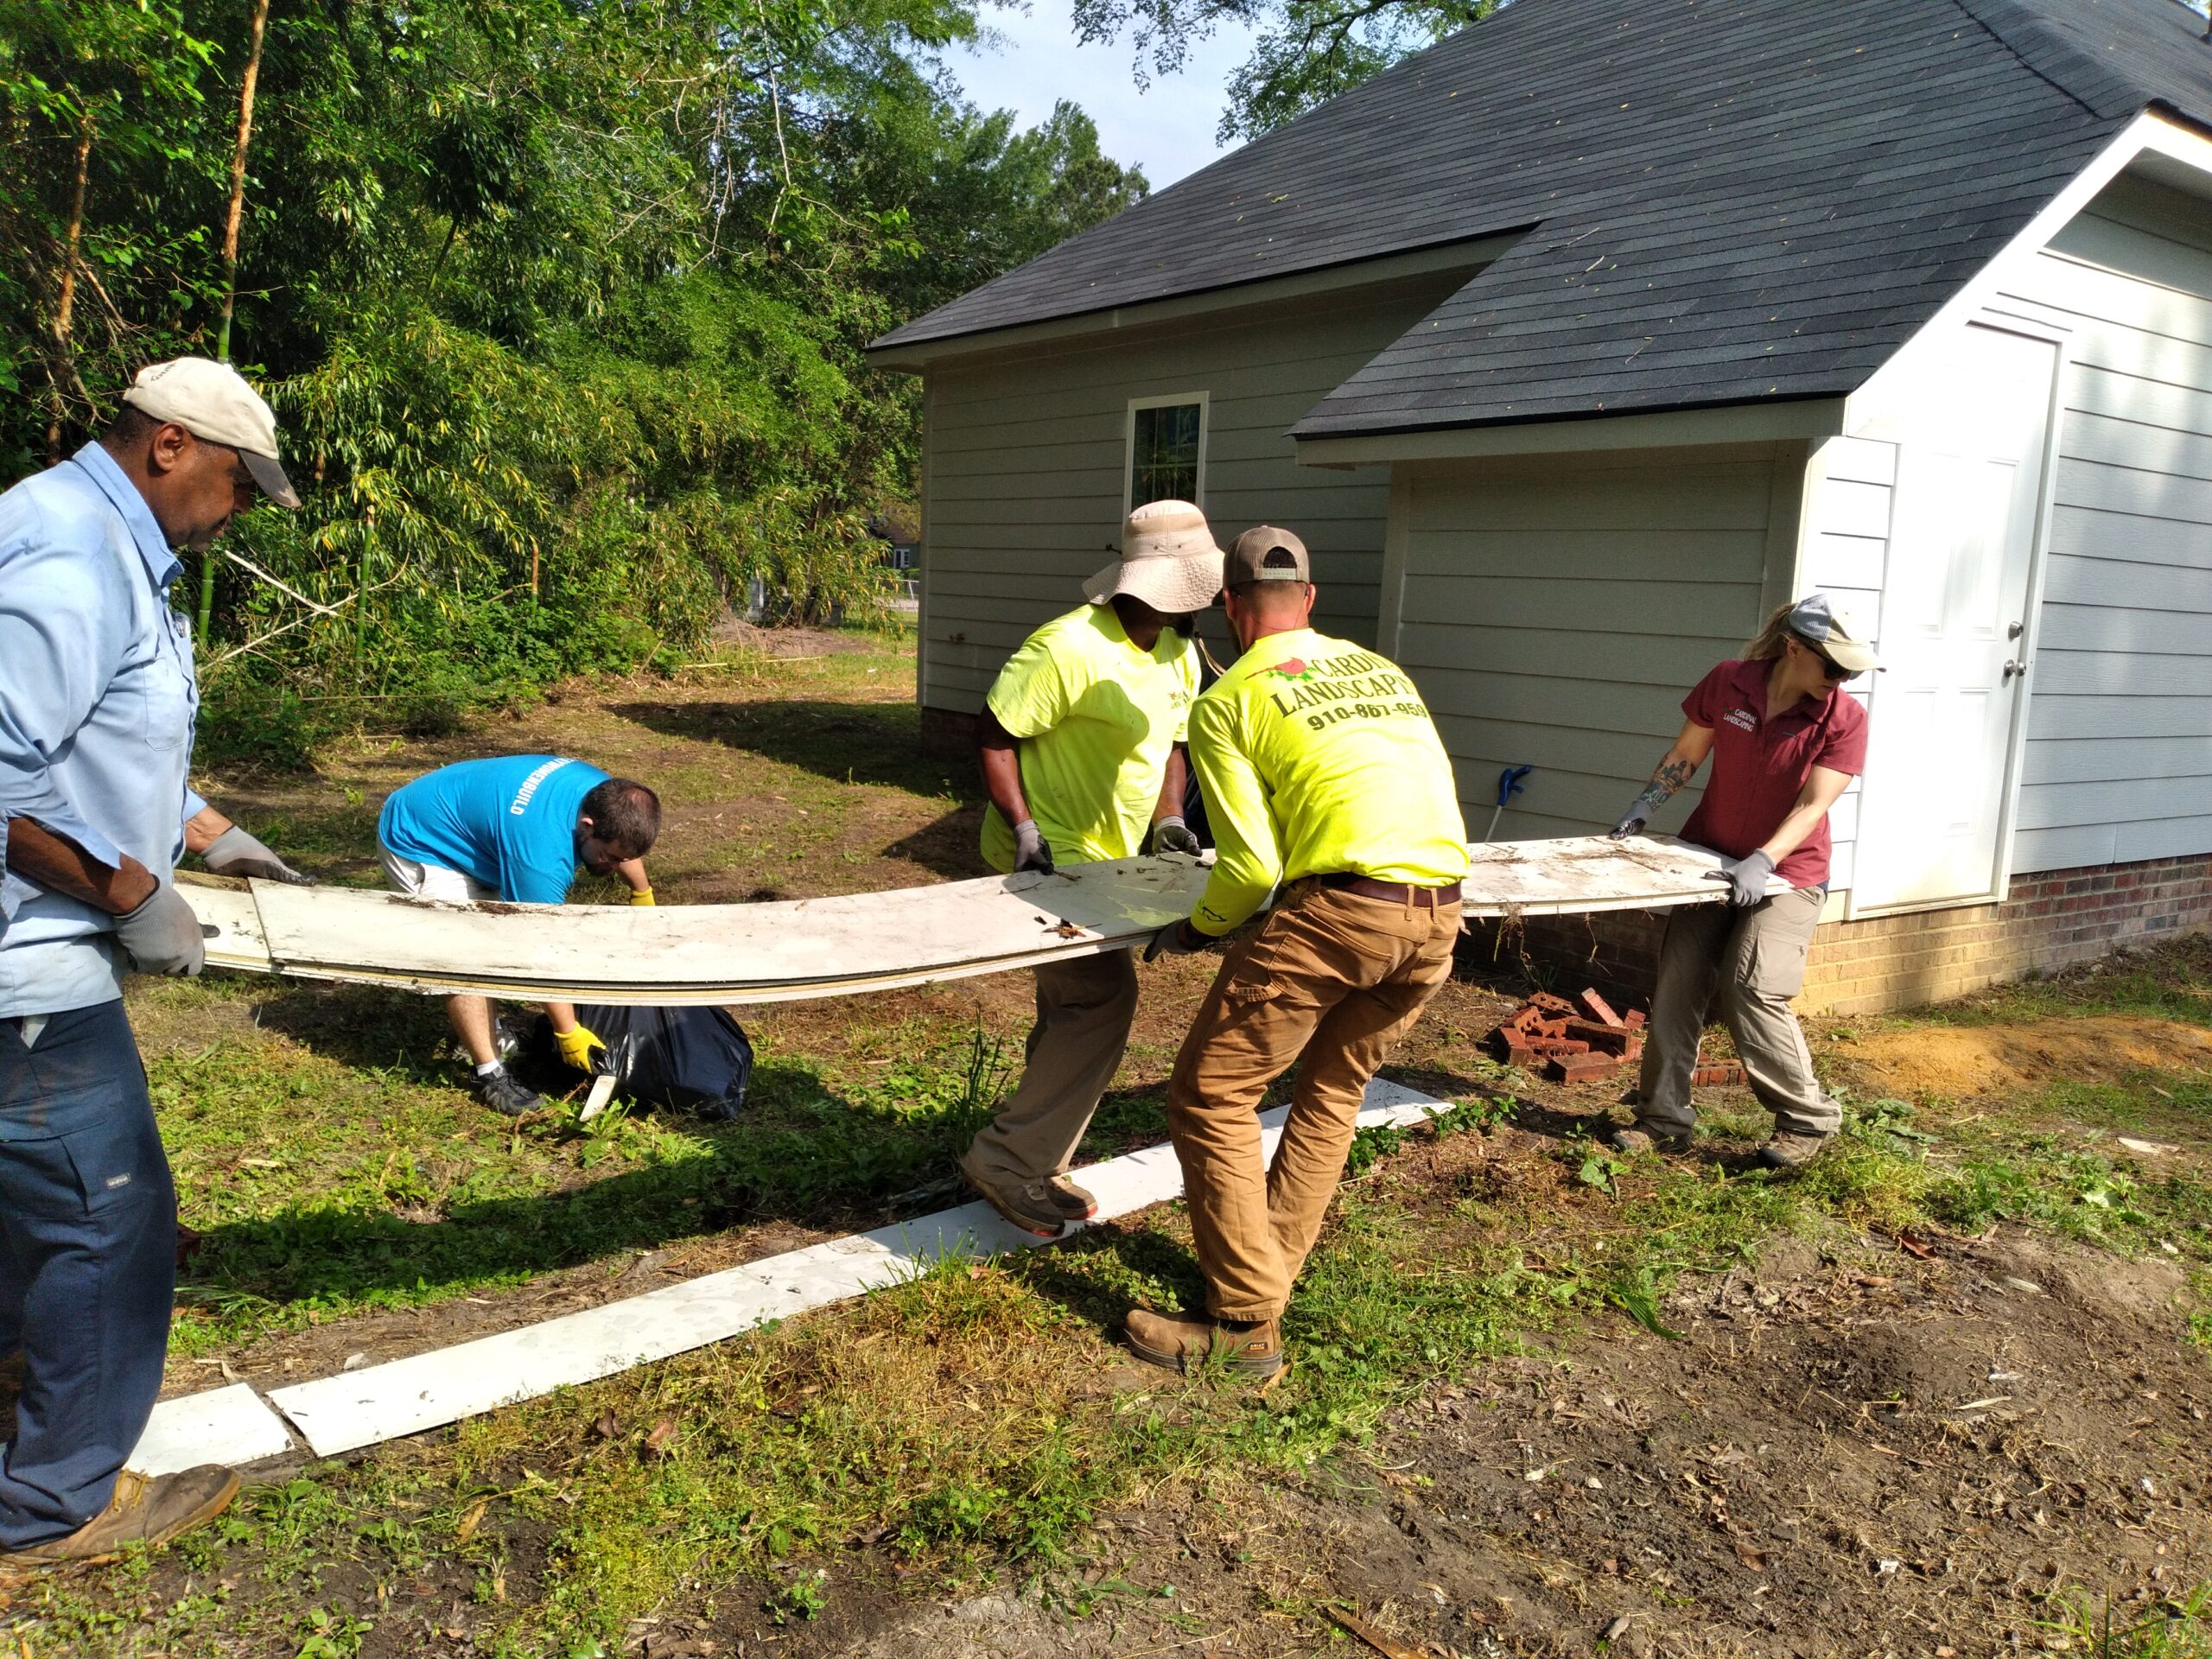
pixel 87 1263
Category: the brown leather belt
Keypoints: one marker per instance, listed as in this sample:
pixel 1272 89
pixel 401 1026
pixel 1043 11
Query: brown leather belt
pixel 1395 892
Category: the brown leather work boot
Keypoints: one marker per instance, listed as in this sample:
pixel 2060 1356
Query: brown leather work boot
pixel 1646 1137
pixel 1076 1203
pixel 143 1512
pixel 1791 1150
pixel 1185 1345
pixel 1033 1206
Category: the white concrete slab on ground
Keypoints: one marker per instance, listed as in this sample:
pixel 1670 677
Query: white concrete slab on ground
pixel 405 1396
pixel 227 1425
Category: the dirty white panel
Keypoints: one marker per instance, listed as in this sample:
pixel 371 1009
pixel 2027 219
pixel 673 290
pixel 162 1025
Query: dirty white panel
pixel 227 1425
pixel 856 943
pixel 405 1396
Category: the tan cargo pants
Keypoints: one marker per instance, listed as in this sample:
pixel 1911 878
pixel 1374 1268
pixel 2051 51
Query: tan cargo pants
pixel 1331 980
pixel 1083 1009
pixel 1756 959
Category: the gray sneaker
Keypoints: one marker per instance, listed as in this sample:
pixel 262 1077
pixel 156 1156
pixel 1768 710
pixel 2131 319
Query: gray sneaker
pixel 1791 1150
pixel 504 1095
pixel 143 1512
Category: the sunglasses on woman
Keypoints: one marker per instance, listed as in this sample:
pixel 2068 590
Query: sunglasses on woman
pixel 1831 671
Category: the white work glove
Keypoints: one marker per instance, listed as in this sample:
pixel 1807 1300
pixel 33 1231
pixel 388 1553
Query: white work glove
pixel 163 936
pixel 235 853
pixel 1176 939
pixel 1172 834
pixel 1030 850
pixel 1747 878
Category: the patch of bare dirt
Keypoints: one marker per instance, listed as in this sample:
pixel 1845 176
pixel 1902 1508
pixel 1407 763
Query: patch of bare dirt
pixel 792 642
pixel 1837 1457
pixel 1961 1062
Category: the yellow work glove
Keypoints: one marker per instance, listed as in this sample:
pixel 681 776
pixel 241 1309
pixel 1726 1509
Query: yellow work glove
pixel 576 1045
pixel 641 895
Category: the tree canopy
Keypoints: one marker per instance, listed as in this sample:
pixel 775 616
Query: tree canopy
pixel 1306 51
pixel 559 303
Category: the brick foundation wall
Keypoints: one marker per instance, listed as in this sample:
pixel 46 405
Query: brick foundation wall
pixel 2052 919
pixel 946 732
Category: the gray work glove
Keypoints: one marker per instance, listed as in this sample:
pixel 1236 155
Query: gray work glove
pixel 1030 850
pixel 1172 834
pixel 1176 939
pixel 1747 878
pixel 235 853
pixel 1633 820
pixel 163 936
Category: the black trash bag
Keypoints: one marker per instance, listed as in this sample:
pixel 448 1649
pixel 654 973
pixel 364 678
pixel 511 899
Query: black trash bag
pixel 695 1058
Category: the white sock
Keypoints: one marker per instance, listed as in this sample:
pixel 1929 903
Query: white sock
pixel 491 1068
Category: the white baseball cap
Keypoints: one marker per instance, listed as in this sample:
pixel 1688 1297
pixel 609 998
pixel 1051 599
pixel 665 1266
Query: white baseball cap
pixel 212 400
pixel 1169 560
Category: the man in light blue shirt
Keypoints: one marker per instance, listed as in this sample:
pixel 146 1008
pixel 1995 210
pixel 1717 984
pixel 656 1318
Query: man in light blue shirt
pixel 516 828
pixel 97 703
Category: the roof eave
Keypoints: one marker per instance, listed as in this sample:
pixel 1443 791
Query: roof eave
pixel 1469 254
pixel 1768 421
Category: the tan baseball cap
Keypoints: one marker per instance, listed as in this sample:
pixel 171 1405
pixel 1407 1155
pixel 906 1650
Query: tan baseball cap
pixel 1257 556
pixel 1821 621
pixel 212 400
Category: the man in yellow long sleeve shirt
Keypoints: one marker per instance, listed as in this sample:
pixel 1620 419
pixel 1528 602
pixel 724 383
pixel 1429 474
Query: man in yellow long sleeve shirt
pixel 1324 777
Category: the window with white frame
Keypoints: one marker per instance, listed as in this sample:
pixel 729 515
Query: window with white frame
pixel 1166 449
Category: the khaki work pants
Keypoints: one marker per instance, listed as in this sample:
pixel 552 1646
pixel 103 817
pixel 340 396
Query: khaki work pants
pixel 1331 980
pixel 1756 959
pixel 1083 1009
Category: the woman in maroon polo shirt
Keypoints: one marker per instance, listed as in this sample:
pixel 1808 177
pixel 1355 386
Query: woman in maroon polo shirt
pixel 1785 742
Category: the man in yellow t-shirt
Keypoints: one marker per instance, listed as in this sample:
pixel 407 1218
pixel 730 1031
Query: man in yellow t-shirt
pixel 1323 778
pixel 1080 743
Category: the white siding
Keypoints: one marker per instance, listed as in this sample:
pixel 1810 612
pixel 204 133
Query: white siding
pixel 1848 489
pixel 1025 468
pixel 2119 763
pixel 1555 613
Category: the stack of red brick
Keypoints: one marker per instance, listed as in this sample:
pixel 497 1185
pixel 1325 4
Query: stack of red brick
pixel 1584 1041
pixel 1572 1042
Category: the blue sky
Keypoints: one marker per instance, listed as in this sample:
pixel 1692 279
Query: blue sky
pixel 1167 129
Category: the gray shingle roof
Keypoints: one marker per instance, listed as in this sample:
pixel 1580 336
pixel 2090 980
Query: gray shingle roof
pixel 1724 201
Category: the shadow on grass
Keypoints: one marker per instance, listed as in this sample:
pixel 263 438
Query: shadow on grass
pixel 801 1155
pixel 844 742
pixel 950 846
pixel 365 1026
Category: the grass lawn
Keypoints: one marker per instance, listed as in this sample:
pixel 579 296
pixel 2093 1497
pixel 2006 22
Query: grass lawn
pixel 820 1486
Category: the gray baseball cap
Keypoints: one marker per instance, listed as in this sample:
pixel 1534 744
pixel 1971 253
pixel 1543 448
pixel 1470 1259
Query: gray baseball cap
pixel 1257 557
pixel 1817 619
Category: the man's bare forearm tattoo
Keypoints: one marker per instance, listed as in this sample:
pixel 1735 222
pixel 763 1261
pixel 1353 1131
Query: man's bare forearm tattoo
pixel 1671 776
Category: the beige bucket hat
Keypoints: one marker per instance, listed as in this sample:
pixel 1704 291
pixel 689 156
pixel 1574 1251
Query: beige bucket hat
pixel 1169 560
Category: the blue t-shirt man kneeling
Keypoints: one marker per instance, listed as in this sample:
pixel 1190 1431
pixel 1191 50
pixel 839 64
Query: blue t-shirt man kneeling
pixel 516 828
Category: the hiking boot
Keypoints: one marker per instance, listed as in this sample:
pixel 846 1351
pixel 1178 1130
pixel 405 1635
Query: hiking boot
pixel 1647 1137
pixel 1185 1345
pixel 1074 1203
pixel 504 1095
pixel 1791 1150
pixel 143 1512
pixel 1033 1206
